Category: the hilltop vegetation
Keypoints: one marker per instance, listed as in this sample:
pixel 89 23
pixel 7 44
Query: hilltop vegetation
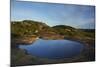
pixel 29 27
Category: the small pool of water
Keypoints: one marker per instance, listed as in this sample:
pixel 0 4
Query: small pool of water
pixel 53 49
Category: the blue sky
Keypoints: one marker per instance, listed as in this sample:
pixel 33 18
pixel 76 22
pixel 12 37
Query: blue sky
pixel 78 16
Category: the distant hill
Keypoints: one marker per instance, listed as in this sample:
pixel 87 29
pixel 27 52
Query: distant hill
pixel 63 27
pixel 65 30
pixel 87 30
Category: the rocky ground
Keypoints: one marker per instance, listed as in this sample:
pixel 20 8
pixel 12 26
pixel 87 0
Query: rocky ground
pixel 20 57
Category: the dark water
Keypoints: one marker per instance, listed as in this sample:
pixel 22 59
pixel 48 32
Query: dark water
pixel 53 49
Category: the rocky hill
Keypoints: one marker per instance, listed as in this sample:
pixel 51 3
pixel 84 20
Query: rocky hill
pixel 40 29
